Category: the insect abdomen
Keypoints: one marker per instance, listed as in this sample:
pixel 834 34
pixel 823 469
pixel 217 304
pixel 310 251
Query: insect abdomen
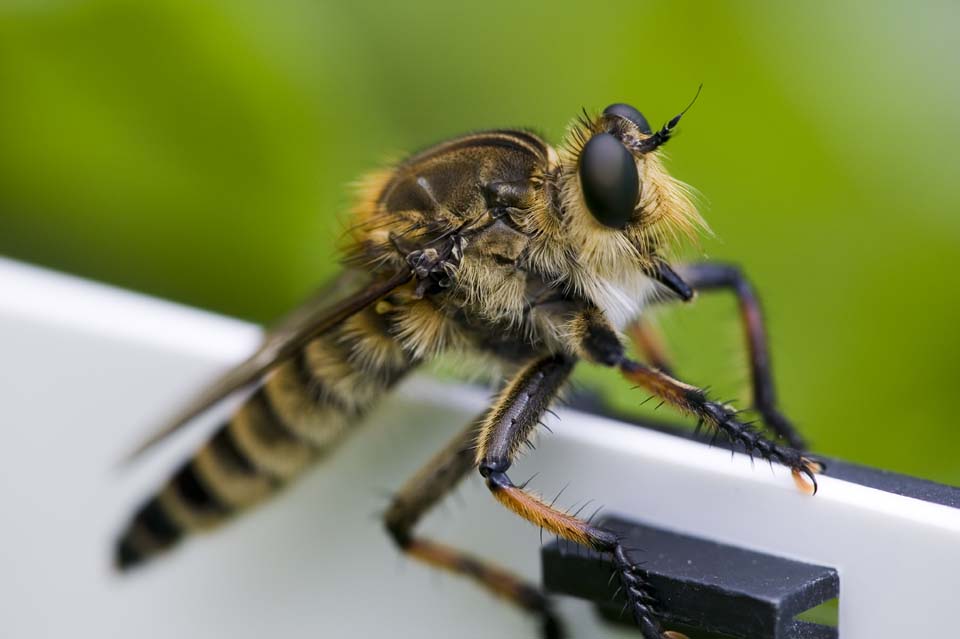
pixel 302 409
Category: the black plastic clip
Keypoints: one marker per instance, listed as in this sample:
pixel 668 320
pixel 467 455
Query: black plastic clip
pixel 704 588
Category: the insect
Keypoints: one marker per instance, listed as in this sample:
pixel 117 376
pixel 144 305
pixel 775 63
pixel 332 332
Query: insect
pixel 494 243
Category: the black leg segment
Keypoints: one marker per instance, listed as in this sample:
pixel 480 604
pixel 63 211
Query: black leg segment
pixel 710 276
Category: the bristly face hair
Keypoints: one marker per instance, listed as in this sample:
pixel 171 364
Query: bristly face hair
pixel 662 218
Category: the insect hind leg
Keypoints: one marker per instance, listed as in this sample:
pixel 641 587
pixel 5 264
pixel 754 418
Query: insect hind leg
pixel 423 491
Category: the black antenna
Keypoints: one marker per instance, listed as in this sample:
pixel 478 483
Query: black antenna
pixel 661 136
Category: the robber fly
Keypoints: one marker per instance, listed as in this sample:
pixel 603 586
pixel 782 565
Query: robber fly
pixel 493 243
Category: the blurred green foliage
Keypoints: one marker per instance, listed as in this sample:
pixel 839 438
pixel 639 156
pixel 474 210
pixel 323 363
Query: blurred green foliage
pixel 200 151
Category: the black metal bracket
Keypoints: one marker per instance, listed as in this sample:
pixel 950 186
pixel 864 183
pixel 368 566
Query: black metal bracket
pixel 705 589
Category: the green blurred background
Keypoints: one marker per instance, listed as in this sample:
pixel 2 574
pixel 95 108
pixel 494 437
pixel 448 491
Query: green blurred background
pixel 200 151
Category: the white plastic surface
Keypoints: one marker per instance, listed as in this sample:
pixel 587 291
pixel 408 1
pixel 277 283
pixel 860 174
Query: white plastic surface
pixel 87 370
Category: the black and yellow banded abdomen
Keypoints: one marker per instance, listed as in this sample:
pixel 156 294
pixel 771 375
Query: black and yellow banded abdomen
pixel 304 407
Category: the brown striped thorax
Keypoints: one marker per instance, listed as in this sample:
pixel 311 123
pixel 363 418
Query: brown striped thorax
pixel 509 236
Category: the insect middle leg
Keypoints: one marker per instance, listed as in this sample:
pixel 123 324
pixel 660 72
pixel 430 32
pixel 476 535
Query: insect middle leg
pixel 423 491
pixel 598 342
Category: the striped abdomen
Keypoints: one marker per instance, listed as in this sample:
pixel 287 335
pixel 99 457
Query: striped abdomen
pixel 302 409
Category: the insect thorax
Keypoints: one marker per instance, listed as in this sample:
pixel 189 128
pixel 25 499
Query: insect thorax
pixel 495 223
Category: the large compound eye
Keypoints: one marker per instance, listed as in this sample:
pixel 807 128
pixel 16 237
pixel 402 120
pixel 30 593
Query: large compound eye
pixel 628 112
pixel 609 180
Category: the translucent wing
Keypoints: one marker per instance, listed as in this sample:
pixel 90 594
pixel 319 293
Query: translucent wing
pixel 325 309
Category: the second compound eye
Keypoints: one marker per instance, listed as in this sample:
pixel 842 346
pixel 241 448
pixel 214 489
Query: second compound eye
pixel 630 113
pixel 609 180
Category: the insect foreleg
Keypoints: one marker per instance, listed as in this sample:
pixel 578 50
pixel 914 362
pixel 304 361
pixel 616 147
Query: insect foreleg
pixel 505 427
pixel 710 276
pixel 423 491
